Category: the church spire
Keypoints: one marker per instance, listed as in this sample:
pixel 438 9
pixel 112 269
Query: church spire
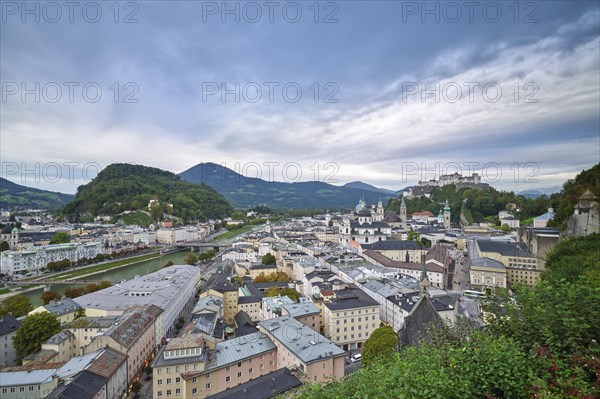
pixel 424 283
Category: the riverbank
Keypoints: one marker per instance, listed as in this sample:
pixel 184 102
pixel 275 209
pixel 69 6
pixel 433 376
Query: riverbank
pixel 233 233
pixel 77 274
pixel 85 271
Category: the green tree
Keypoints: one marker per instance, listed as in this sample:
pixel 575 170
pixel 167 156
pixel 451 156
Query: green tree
pixel 282 277
pixel 572 258
pixel 61 237
pixel 17 306
pixel 381 345
pixel 191 259
pixel 34 330
pixel 207 255
pixel 268 259
pixel 80 313
pixel 278 291
pixel 4 246
pixel 47 296
pixel 505 228
pixel 261 278
pixel 169 264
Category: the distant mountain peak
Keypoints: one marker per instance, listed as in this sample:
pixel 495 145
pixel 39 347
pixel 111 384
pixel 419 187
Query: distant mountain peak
pixel 244 191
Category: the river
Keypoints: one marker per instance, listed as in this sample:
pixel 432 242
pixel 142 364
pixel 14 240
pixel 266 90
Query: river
pixel 123 273
pixel 127 272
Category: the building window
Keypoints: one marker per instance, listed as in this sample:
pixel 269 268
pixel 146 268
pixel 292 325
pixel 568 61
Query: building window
pixel 239 374
pixel 168 392
pixel 168 381
pixel 177 380
pixel 208 386
pixel 227 379
pixel 159 394
pixel 159 382
pixel 195 391
pixel 239 364
pixel 250 370
pixel 228 368
pixel 177 391
pixel 194 380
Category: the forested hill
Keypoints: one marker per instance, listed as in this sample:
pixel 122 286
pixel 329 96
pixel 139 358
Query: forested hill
pixel 484 205
pixel 477 205
pixel 125 187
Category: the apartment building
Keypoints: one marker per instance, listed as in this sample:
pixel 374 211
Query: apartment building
pixel 188 369
pixel 301 348
pixel 350 318
pixel 35 258
pixel 133 336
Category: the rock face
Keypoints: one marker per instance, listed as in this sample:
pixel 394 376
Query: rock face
pixel 586 217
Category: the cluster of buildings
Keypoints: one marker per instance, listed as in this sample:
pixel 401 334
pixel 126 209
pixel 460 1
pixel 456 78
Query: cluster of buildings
pixel 259 330
pixel 35 259
pixel 29 249
pixel 107 338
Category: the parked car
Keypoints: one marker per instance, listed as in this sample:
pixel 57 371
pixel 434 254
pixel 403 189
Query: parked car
pixel 356 358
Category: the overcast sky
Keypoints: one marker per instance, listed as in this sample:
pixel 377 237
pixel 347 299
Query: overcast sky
pixel 390 90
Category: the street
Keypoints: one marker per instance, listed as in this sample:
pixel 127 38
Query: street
pixel 461 278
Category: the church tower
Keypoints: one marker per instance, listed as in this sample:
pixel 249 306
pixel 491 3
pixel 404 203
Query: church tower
pixel 424 283
pixel 379 213
pixel 446 215
pixel 403 211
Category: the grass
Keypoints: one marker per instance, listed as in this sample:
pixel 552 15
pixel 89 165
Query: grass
pixel 99 268
pixel 528 221
pixel 232 233
pixel 4 291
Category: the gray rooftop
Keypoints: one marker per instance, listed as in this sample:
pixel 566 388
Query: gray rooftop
pixel 390 245
pixel 305 343
pixel 93 322
pixel 59 337
pixel 62 306
pixel 300 309
pixel 238 349
pixel 8 324
pixel 77 364
pixel 504 248
pixel 32 377
pixel 163 287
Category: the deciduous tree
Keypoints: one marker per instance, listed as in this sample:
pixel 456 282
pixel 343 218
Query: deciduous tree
pixel 34 330
pixel 382 344
pixel 48 296
pixel 17 306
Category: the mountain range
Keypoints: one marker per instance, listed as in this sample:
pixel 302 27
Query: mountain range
pixel 238 190
pixel 245 192
pixel 16 196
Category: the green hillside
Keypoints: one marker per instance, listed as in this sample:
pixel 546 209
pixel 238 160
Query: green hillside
pixel 124 187
pixel 14 197
pixel 477 205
